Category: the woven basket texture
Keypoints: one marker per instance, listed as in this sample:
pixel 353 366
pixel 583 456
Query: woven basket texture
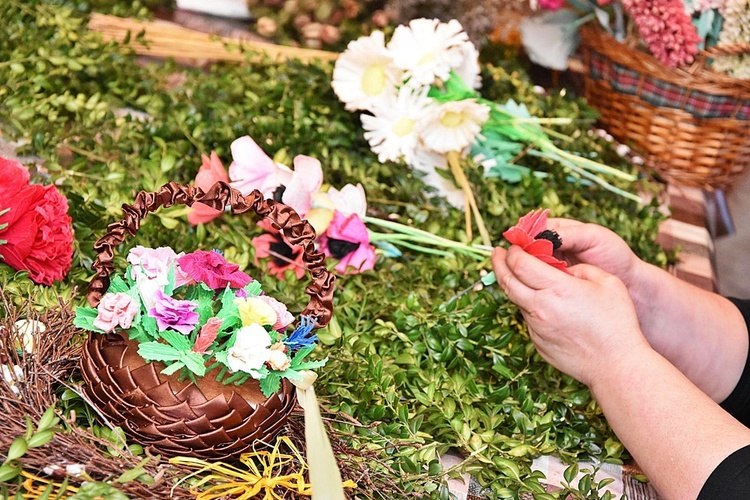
pixel 691 125
pixel 205 419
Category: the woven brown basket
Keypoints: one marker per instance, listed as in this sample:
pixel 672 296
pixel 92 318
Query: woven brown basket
pixel 691 125
pixel 206 419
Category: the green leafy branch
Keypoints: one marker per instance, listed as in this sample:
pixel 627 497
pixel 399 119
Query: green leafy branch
pixel 33 438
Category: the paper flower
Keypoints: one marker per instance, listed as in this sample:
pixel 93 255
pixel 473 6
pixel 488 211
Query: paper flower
pixel 427 50
pixel 252 310
pixel 364 76
pixel 253 169
pixel 454 125
pixel 283 317
pixel 250 350
pixel 35 228
pixel 173 313
pixel 211 172
pixel 349 200
pixel 347 239
pixel 283 254
pixel 212 269
pixel 393 130
pixel 116 310
pixel 532 235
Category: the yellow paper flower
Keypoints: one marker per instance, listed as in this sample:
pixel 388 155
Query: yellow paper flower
pixel 254 311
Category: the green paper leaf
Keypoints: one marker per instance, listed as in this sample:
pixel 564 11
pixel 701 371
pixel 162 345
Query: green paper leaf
pixel 270 384
pixel 253 289
pixel 176 340
pixel 194 362
pixel 85 317
pixel 156 351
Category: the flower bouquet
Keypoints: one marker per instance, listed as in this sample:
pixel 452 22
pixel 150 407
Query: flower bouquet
pixel 417 94
pixel 186 353
pixel 668 77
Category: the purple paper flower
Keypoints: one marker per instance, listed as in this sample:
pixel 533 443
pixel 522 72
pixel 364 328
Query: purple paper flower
pixel 176 314
pixel 212 269
pixel 347 239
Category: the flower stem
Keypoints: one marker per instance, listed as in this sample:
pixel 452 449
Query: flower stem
pixel 460 177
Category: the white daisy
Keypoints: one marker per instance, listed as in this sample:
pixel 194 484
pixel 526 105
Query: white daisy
pixel 428 49
pixel 468 70
pixel 364 75
pixel 454 125
pixel 393 129
pixel 428 162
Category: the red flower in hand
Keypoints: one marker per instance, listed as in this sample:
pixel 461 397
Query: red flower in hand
pixel 34 225
pixel 211 172
pixel 284 255
pixel 532 235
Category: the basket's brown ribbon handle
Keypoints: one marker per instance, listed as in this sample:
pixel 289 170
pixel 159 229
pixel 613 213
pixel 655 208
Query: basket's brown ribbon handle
pixel 296 231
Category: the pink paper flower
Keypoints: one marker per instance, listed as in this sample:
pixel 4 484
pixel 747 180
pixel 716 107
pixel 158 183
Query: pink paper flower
pixel 212 269
pixel 34 225
pixel 532 235
pixel 115 309
pixel 253 169
pixel 211 172
pixel 347 239
pixel 283 317
pixel 154 264
pixel 207 335
pixel 551 4
pixel 176 314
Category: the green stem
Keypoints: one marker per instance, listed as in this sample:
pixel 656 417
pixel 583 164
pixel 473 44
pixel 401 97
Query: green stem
pixel 431 238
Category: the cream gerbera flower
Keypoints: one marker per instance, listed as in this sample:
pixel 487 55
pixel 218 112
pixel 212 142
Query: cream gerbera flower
pixel 393 129
pixel 428 49
pixel 454 125
pixel 468 70
pixel 429 162
pixel 364 75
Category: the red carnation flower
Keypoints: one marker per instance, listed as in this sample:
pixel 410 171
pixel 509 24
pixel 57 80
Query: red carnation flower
pixel 284 255
pixel 532 235
pixel 34 225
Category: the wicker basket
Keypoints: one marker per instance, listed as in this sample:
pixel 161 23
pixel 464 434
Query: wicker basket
pixel 691 125
pixel 206 419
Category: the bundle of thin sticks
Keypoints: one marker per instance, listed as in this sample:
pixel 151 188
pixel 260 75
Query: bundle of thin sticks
pixel 166 39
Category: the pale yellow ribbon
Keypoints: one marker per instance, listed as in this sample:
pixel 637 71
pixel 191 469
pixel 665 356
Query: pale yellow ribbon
pixel 325 477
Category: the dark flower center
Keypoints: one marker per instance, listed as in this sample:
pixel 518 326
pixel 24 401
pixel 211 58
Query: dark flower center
pixel 278 193
pixel 282 253
pixel 341 248
pixel 550 235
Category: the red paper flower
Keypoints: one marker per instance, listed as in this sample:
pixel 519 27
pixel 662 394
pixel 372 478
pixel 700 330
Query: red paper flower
pixel 212 269
pixel 283 255
pixel 532 235
pixel 35 225
pixel 211 172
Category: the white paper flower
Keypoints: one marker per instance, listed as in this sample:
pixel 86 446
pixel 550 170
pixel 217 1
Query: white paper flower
pixel 12 375
pixel 250 350
pixel 428 162
pixel 364 75
pixel 469 69
pixel 349 200
pixel 427 49
pixel 454 125
pixel 393 130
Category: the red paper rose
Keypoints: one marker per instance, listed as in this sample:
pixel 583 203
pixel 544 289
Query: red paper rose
pixel 35 225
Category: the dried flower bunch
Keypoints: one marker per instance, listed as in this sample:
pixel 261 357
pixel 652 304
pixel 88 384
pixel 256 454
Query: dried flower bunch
pixel 673 30
pixel 198 313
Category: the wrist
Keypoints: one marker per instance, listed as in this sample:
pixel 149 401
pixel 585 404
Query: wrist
pixel 620 363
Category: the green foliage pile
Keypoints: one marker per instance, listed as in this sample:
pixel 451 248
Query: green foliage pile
pixel 418 358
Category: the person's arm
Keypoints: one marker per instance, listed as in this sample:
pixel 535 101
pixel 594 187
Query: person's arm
pixel 585 324
pixel 701 333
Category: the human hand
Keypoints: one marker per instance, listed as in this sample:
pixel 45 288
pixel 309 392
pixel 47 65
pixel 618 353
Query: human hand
pixel 580 322
pixel 595 245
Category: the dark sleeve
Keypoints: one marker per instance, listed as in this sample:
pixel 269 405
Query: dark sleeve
pixel 730 480
pixel 738 402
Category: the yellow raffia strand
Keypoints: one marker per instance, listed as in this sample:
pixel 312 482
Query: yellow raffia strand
pixel 263 475
pixel 471 202
pixel 33 488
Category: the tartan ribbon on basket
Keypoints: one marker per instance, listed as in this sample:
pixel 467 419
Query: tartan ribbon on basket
pixel 662 93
